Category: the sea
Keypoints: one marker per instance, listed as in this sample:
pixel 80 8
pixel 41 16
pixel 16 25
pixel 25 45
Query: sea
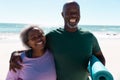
pixel 11 31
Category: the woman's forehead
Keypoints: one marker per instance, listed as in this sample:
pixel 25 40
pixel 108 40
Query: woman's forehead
pixel 36 31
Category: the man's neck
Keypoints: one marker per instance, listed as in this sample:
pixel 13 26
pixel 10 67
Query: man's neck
pixel 70 29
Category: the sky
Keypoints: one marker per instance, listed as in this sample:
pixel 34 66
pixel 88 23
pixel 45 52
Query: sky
pixel 48 12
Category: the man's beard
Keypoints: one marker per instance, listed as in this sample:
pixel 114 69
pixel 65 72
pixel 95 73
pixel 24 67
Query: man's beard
pixel 70 26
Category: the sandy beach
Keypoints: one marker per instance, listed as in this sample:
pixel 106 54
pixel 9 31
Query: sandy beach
pixel 7 47
pixel 110 49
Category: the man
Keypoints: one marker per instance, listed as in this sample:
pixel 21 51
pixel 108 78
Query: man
pixel 72 47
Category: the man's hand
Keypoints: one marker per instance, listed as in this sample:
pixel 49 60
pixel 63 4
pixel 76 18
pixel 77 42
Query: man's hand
pixel 15 58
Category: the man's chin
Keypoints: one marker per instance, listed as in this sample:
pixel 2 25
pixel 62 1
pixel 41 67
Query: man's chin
pixel 72 25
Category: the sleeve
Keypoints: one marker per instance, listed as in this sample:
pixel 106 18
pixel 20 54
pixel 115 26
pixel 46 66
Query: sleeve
pixel 12 75
pixel 96 47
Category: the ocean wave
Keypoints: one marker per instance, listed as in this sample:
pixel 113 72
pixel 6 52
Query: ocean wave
pixel 4 36
pixel 105 35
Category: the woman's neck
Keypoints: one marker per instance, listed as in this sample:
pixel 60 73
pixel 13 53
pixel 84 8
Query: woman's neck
pixel 38 53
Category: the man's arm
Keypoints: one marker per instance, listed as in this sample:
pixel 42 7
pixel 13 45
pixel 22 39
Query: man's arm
pixel 97 51
pixel 14 59
pixel 100 56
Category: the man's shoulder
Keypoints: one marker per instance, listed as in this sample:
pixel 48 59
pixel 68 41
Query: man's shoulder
pixel 56 31
pixel 85 32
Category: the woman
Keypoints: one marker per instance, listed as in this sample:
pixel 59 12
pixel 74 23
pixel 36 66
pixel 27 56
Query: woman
pixel 38 62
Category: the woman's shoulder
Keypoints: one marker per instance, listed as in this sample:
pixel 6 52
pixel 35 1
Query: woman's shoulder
pixel 26 53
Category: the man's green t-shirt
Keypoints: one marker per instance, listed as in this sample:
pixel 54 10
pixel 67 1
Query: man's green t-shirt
pixel 71 51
